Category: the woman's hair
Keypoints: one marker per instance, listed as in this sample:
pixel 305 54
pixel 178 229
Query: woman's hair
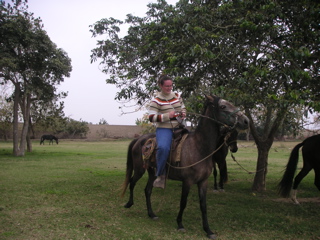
pixel 163 78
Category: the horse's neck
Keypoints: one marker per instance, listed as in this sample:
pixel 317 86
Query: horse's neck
pixel 208 130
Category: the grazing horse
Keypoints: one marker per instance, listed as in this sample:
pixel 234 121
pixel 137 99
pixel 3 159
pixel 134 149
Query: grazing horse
pixel 311 160
pixel 219 158
pixel 48 137
pixel 196 158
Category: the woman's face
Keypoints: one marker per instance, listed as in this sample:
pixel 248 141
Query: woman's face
pixel 166 87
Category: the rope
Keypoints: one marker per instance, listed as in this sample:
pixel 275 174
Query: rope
pixel 200 115
pixel 191 165
pixel 234 159
pixel 147 154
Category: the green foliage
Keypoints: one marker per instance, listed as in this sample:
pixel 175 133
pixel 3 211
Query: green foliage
pixel 6 118
pixel 250 48
pixel 76 129
pixel 147 126
pixel 48 117
pixel 261 55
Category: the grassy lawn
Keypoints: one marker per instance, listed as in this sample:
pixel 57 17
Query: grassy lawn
pixel 72 191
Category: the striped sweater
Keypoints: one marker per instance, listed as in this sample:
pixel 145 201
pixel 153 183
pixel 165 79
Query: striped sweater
pixel 161 105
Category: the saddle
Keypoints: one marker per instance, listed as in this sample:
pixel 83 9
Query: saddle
pixel 150 146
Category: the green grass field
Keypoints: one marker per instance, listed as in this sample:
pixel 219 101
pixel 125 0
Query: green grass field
pixel 72 191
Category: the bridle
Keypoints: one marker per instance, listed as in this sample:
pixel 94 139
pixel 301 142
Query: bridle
pixel 230 128
pixel 228 116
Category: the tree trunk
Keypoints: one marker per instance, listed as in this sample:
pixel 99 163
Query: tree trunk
pixel 29 143
pixel 30 133
pixel 259 183
pixel 25 107
pixel 16 120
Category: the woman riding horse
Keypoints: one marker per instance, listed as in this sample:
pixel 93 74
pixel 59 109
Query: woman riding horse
pixel 196 158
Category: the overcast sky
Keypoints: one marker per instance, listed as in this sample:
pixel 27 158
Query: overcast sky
pixel 67 24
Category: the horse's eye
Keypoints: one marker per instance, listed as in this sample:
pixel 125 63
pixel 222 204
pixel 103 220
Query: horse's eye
pixel 223 106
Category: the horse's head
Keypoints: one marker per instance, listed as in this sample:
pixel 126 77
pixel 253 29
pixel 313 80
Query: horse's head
pixel 232 141
pixel 227 114
pixel 230 137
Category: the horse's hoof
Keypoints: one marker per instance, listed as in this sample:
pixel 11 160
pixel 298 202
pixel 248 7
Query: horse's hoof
pixel 181 230
pixel 212 236
pixel 155 218
pixel 296 202
pixel 222 190
pixel 128 205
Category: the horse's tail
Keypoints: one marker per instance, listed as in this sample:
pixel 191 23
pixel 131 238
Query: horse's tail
pixel 285 185
pixel 129 169
pixel 41 140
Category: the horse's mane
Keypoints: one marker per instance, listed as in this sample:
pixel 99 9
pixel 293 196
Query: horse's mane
pixel 215 104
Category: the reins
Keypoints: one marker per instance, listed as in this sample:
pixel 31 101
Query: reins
pixel 249 172
pixel 225 139
pixel 204 116
pixel 205 158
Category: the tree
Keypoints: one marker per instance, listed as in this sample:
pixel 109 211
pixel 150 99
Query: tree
pixel 31 62
pixel 47 117
pixel 103 122
pixel 76 129
pixel 262 55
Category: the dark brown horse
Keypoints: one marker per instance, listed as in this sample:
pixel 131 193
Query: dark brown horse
pixel 196 158
pixel 219 158
pixel 311 160
pixel 48 137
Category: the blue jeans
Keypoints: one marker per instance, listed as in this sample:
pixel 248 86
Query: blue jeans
pixel 164 138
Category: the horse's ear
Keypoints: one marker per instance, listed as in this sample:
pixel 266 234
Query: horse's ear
pixel 209 98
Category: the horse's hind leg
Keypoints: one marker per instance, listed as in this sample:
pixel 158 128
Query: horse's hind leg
pixel 304 171
pixel 317 178
pixel 133 180
pixel 148 192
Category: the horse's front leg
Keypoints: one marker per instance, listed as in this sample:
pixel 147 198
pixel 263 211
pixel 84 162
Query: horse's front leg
pixel 202 191
pixel 223 176
pixel 148 192
pixel 215 174
pixel 183 204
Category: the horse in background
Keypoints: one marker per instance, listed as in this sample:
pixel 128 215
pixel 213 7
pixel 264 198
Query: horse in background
pixel 48 137
pixel 196 158
pixel 219 158
pixel 311 160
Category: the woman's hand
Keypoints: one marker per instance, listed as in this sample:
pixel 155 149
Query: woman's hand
pixel 172 114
